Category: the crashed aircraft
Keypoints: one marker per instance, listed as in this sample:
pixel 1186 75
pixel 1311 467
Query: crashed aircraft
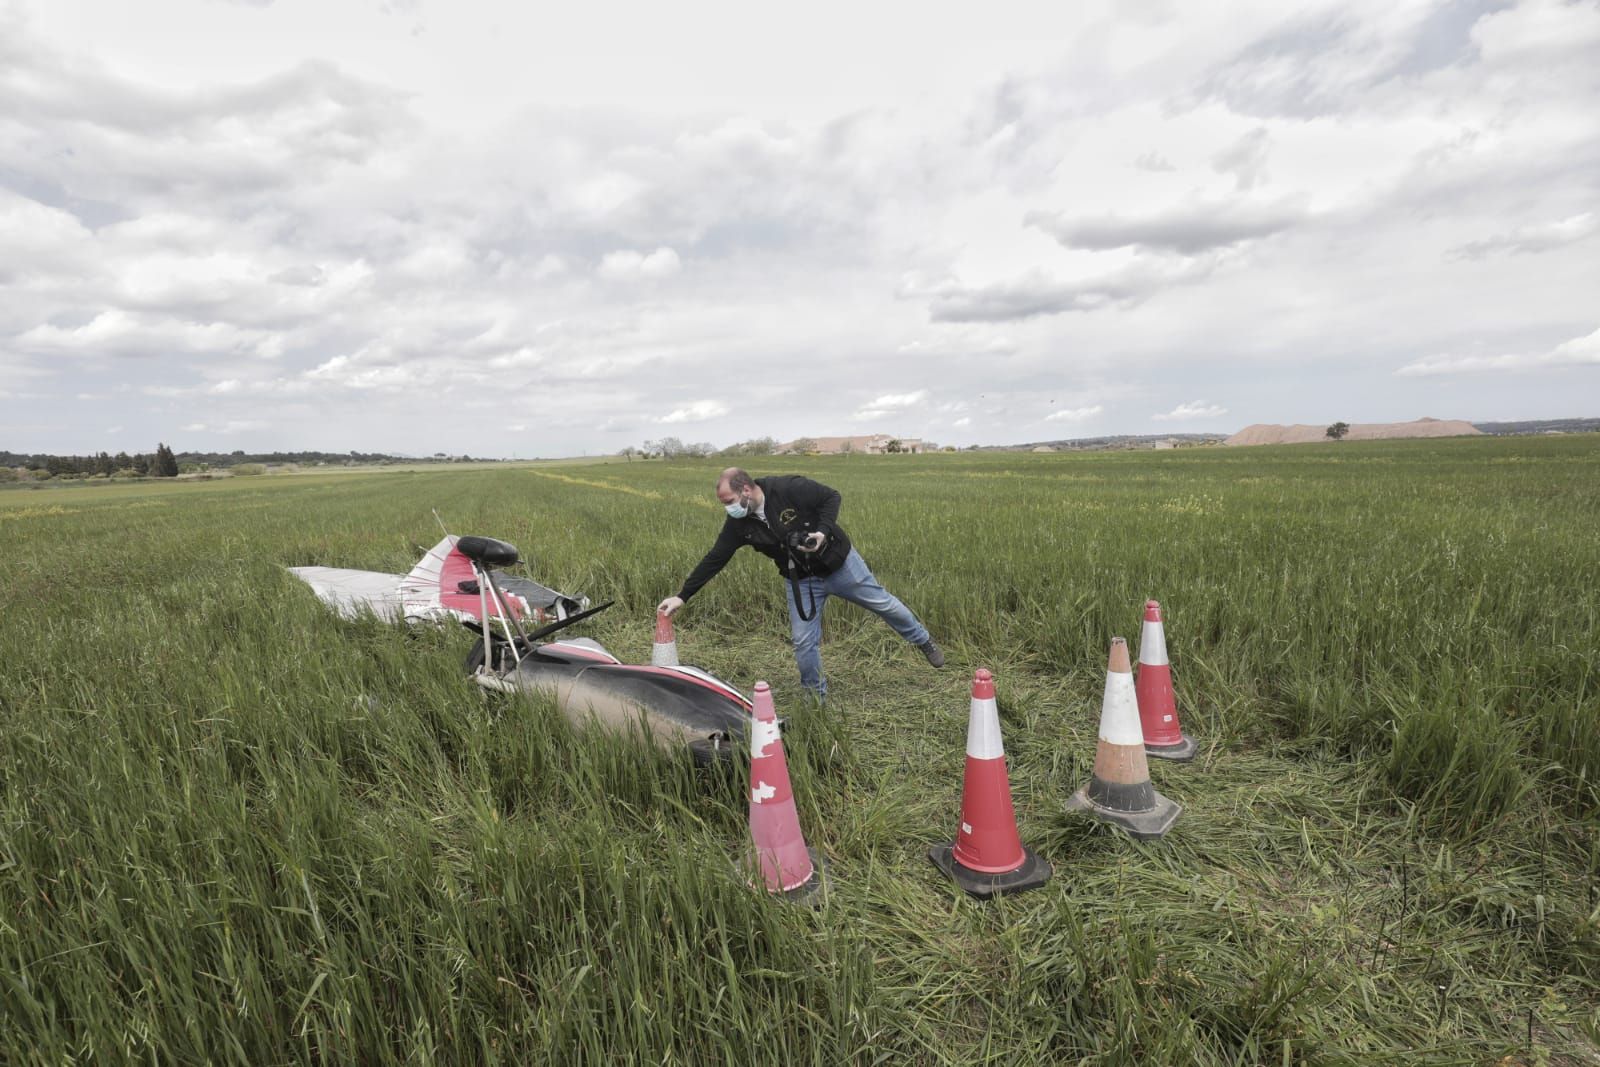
pixel 458 580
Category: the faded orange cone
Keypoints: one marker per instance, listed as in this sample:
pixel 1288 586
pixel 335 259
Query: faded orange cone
pixel 1120 792
pixel 788 867
pixel 987 857
pixel 664 652
pixel 1158 707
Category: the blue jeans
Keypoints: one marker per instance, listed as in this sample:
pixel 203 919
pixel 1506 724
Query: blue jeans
pixel 853 582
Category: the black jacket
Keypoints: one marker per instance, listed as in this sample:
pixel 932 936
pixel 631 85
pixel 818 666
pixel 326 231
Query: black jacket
pixel 793 502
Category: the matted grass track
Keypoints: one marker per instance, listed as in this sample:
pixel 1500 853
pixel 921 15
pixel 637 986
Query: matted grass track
pixel 236 829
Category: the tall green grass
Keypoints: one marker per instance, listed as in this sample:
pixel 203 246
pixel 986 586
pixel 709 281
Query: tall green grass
pixel 234 828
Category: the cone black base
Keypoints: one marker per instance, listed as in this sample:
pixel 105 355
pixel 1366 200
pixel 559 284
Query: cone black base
pixel 1182 752
pixel 1033 873
pixel 1144 825
pixel 810 892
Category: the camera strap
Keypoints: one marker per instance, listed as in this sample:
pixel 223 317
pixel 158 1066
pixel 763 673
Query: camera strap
pixel 794 586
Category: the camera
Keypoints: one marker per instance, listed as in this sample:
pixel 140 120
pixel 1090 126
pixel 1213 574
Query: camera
pixel 796 541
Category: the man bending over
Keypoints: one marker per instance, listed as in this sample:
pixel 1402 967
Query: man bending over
pixel 794 521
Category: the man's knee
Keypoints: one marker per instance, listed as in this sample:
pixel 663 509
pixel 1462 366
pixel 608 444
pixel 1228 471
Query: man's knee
pixel 807 638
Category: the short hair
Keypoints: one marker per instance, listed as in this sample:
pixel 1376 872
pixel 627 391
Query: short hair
pixel 738 479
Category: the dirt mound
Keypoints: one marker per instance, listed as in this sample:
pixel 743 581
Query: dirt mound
pixel 1267 434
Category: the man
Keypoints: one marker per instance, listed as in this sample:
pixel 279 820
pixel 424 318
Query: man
pixel 794 521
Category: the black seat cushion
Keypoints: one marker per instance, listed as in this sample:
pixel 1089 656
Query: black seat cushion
pixel 487 552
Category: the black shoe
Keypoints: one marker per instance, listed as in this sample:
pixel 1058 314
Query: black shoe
pixel 931 652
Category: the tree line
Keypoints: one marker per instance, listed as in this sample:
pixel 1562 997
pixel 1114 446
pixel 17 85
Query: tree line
pixel 673 448
pixel 162 463
pixel 165 463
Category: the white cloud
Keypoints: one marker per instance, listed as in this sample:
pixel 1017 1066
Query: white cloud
pixel 900 400
pixel 360 373
pixel 1543 237
pixel 1039 293
pixel 550 265
pixel 699 411
pixel 958 341
pixel 1074 414
pixel 1579 351
pixel 890 404
pixel 630 266
pixel 1195 409
pixel 526 356
pixel 1188 228
pixel 138 334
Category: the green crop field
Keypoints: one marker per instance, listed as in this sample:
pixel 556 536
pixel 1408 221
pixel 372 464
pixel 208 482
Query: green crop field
pixel 237 829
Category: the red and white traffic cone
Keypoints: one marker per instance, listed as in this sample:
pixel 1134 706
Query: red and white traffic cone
pixel 987 857
pixel 664 652
pixel 1158 708
pixel 787 866
pixel 1120 792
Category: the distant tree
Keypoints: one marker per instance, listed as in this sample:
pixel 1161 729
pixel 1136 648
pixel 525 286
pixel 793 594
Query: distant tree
pixel 846 447
pixel 8 474
pixel 166 464
pixel 1338 430
pixel 670 447
pixel 756 446
pixel 122 461
pixel 627 452
pixel 141 463
pixel 894 445
pixel 803 444
pixel 103 464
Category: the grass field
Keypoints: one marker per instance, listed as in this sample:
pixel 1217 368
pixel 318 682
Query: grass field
pixel 236 829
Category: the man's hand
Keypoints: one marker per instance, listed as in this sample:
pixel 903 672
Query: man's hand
pixel 669 606
pixel 815 540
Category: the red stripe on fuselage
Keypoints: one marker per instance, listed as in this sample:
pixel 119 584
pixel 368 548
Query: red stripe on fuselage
pixel 666 672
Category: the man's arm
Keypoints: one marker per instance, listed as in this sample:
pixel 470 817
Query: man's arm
pixel 824 500
pixel 728 542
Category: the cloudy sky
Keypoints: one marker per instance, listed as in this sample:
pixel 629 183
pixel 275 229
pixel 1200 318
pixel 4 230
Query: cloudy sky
pixel 516 229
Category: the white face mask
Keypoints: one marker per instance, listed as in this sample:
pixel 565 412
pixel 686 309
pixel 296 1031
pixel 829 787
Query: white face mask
pixel 736 510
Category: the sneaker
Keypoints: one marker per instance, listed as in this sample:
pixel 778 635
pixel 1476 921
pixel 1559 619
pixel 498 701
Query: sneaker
pixel 931 652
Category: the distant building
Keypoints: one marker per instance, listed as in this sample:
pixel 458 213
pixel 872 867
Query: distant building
pixel 1165 442
pixel 875 444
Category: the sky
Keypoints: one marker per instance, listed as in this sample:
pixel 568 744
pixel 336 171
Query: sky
pixel 544 230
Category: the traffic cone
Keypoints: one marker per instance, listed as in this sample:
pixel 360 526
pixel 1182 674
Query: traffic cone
pixel 1158 709
pixel 664 653
pixel 1120 791
pixel 987 857
pixel 788 867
